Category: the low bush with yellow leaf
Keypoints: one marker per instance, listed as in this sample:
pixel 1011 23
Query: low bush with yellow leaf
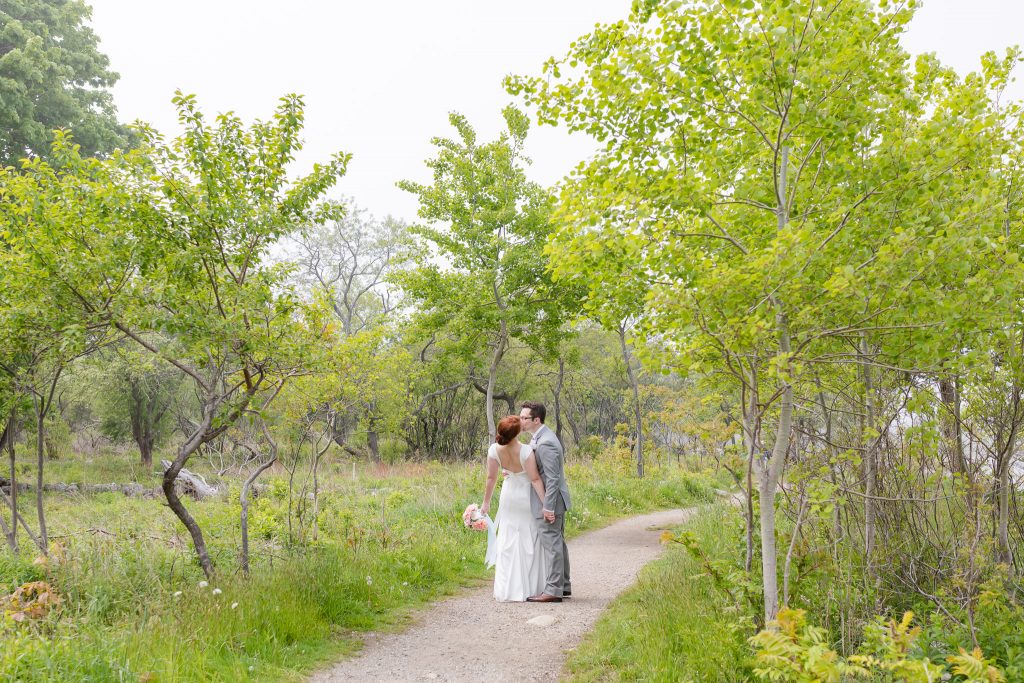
pixel 791 650
pixel 29 601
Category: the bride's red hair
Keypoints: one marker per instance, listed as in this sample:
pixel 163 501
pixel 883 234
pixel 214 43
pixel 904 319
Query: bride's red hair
pixel 508 429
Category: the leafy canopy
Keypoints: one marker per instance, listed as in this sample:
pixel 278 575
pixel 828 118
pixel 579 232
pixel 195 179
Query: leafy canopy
pixel 52 75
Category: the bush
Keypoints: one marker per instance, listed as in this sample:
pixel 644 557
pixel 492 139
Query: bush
pixel 793 651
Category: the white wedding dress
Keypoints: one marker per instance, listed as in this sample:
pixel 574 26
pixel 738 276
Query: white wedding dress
pixel 518 556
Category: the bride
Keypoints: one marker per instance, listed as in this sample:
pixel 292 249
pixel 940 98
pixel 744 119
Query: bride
pixel 519 557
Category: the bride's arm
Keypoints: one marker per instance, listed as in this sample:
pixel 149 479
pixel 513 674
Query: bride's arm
pixel 492 479
pixel 534 474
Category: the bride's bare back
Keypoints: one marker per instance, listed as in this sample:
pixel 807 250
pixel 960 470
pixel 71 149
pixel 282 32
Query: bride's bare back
pixel 508 456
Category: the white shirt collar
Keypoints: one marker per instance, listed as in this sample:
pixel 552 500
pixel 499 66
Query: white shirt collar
pixel 536 435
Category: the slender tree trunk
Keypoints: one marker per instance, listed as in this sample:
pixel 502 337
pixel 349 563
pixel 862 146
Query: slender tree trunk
pixel 1003 466
pixel 792 545
pixel 245 507
pixel 750 430
pixel 174 502
pixel 319 453
pixel 951 428
pixel 7 442
pixel 12 539
pixel 770 470
pixel 141 412
pixel 634 384
pixel 492 378
pixel 868 441
pixel 245 510
pixel 40 406
pixel 372 438
pixel 558 400
pixel 574 428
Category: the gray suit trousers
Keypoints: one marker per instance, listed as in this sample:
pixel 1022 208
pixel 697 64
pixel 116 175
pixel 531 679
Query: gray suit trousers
pixel 552 538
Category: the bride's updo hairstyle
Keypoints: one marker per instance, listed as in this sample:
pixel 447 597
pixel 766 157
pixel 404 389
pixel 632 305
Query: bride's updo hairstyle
pixel 508 429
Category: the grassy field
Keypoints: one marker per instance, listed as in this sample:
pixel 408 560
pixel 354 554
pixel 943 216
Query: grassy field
pixel 134 605
pixel 674 624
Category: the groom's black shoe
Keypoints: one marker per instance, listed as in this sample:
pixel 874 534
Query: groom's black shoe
pixel 567 594
pixel 543 597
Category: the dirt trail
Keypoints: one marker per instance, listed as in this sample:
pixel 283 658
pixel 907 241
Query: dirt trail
pixel 470 637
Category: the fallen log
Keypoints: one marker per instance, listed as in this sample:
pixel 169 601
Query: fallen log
pixel 192 484
pixel 133 490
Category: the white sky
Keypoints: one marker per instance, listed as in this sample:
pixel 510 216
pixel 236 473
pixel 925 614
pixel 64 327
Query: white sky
pixel 379 78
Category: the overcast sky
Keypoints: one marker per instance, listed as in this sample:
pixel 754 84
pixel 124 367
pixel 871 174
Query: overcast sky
pixel 379 78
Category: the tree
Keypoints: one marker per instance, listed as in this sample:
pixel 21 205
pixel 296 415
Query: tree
pixel 481 279
pixel 131 392
pixel 182 272
pixel 347 263
pixel 61 226
pixel 52 75
pixel 220 199
pixel 756 159
pixel 349 260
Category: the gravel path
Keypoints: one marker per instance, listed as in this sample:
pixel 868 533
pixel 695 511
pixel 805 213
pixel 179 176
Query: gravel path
pixel 470 637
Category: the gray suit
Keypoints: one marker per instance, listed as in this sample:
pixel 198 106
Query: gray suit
pixel 549 457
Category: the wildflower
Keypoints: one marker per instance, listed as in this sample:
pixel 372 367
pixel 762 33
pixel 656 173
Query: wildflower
pixel 177 594
pixel 369 580
pixel 405 583
pixel 234 605
pixel 217 591
pixel 204 584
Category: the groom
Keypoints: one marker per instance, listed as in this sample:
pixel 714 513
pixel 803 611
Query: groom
pixel 552 508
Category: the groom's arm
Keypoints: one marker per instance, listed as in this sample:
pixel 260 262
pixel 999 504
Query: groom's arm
pixel 548 457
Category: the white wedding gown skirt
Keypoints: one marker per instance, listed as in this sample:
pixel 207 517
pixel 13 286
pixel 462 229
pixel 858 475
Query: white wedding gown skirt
pixel 520 567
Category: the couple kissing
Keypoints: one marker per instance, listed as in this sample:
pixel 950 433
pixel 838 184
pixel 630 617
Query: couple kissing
pixel 531 558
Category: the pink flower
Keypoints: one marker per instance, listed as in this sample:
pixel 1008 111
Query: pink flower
pixel 471 513
pixel 472 518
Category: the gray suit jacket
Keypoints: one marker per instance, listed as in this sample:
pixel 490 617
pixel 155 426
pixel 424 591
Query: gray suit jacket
pixel 549 457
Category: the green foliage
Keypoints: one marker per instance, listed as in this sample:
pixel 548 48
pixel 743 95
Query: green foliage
pixel 123 562
pixel 998 619
pixel 485 226
pixel 53 76
pixel 793 650
pixel 480 281
pixel 673 624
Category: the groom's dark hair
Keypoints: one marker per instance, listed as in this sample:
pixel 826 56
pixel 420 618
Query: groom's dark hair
pixel 536 410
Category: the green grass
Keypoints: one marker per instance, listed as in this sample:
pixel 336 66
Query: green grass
pixel 390 541
pixel 673 625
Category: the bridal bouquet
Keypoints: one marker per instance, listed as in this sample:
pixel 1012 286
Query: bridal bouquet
pixel 474 519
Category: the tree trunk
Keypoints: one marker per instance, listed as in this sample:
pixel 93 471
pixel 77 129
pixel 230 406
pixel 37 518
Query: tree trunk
pixel 12 539
pixel 316 487
pixel 141 411
pixel 634 384
pixel 574 428
pixel 750 431
pixel 174 502
pixel 770 469
pixel 7 442
pixel 492 378
pixel 1004 463
pixel 951 429
pixel 868 441
pixel 558 401
pixel 372 438
pixel 40 406
pixel 245 509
